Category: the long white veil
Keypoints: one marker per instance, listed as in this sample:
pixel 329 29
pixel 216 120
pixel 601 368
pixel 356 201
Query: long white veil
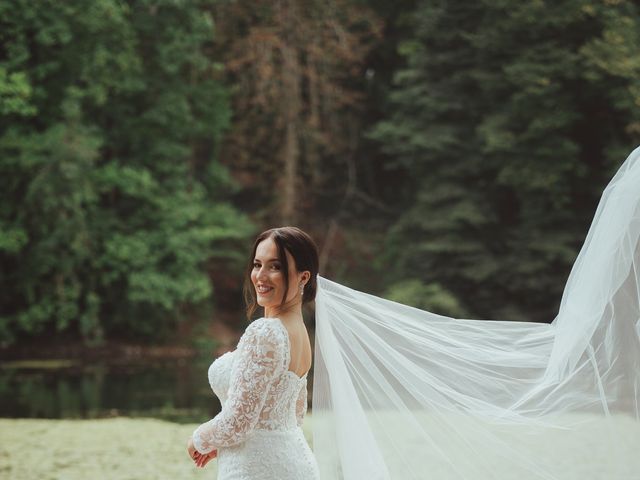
pixel 401 393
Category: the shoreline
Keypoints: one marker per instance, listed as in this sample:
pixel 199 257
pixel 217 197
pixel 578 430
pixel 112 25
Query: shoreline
pixel 107 351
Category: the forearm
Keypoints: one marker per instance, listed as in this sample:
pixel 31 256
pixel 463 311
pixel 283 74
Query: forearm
pixel 224 430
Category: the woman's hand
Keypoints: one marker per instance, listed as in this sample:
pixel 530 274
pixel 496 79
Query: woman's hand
pixel 203 459
pixel 191 450
pixel 200 459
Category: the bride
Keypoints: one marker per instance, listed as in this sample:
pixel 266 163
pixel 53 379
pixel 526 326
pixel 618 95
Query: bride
pixel 401 393
pixel 262 384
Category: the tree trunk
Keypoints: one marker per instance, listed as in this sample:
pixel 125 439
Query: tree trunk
pixel 291 112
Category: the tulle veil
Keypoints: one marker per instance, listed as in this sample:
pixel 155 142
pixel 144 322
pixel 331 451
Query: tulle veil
pixel 400 393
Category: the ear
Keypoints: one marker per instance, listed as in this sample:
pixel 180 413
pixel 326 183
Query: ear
pixel 306 275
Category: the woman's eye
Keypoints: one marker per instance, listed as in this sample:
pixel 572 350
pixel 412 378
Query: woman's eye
pixel 273 266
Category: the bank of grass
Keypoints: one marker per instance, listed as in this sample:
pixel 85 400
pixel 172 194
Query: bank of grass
pixel 106 449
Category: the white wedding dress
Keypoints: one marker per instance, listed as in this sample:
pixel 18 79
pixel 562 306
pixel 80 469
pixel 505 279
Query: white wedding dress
pixel 258 433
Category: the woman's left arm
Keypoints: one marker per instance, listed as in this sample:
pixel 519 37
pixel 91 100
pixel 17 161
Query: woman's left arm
pixel 260 357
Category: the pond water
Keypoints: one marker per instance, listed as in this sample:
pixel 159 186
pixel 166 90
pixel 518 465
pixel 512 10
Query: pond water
pixel 175 390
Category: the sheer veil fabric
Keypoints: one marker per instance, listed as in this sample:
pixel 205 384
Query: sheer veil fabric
pixel 401 393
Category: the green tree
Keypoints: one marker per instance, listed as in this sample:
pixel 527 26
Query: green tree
pixel 111 198
pixel 506 123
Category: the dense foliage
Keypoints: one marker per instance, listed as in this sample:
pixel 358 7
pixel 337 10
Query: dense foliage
pixel 508 120
pixel 296 73
pixel 111 200
pixel 447 154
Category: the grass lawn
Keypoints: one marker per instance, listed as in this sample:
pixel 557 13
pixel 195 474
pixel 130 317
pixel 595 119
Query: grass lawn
pixel 106 449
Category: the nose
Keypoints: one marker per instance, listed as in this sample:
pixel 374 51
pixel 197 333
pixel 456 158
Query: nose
pixel 262 273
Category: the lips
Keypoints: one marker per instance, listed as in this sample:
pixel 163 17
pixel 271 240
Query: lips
pixel 263 289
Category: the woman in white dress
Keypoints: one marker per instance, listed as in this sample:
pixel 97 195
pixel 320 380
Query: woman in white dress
pixel 402 393
pixel 262 384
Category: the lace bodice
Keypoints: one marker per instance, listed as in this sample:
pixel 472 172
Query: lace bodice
pixel 255 387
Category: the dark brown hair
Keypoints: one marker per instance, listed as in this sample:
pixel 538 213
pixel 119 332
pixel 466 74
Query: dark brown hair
pixel 305 254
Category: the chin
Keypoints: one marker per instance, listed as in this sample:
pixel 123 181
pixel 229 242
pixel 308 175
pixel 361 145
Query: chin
pixel 263 304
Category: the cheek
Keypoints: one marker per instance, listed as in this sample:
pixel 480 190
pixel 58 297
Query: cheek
pixel 277 280
pixel 292 289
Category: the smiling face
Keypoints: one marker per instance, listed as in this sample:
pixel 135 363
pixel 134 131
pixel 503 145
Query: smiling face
pixel 282 260
pixel 268 278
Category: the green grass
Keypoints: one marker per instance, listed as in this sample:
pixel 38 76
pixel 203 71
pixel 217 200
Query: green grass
pixel 106 449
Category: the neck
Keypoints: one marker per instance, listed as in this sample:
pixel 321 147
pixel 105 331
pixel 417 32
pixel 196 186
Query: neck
pixel 293 312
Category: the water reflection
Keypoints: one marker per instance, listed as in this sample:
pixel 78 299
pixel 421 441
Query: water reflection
pixel 175 390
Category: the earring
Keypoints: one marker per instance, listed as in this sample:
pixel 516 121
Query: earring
pixel 301 290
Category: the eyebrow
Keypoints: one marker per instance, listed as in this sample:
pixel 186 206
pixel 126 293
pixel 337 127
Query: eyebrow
pixel 271 260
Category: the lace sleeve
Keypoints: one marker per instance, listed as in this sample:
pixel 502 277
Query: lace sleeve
pixel 301 404
pixel 260 357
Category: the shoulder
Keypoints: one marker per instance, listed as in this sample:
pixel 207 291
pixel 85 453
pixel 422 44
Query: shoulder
pixel 264 330
pixel 264 341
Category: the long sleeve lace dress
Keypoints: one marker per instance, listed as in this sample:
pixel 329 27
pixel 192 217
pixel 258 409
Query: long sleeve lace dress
pixel 258 433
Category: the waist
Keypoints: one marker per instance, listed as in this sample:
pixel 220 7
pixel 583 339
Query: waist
pixel 277 431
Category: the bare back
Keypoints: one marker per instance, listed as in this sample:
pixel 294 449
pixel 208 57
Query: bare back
pixel 299 346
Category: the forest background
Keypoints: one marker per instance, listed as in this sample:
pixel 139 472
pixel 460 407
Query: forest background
pixel 445 154
pixel 448 155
